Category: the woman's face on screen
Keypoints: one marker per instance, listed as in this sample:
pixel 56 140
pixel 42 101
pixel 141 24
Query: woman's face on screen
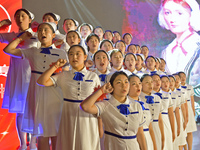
pixel 177 17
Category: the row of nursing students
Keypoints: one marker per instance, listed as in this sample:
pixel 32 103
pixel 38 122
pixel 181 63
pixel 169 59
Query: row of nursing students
pixel 39 119
pixel 181 107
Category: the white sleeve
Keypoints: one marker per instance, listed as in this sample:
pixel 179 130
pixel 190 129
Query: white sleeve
pixel 101 106
pixel 56 79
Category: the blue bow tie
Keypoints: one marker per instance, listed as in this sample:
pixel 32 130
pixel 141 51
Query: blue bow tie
pixel 142 104
pixel 78 76
pixel 102 77
pixel 149 99
pixel 153 72
pixel 124 109
pixel 159 94
pixel 179 89
pixel 184 87
pixel 46 50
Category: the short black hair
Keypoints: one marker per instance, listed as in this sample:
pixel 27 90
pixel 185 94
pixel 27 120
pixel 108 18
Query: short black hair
pixel 97 28
pixel 163 60
pixel 105 41
pixel 133 75
pixel 165 76
pixel 155 74
pixel 108 31
pixel 74 31
pixel 172 77
pixel 90 36
pixel 24 10
pixel 131 45
pixel 144 46
pixel 50 14
pixel 77 46
pixel 127 34
pixel 46 24
pixel 117 73
pixel 150 56
pixel 116 32
pixel 179 73
pixel 144 76
pixel 120 41
pixel 115 51
pixel 99 52
pixel 135 57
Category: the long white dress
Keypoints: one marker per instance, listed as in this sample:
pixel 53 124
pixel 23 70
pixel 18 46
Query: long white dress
pixel 78 130
pixel 149 110
pixel 182 137
pixel 176 104
pixel 43 104
pixel 191 126
pixel 18 76
pixel 120 130
pixel 167 103
pixel 156 108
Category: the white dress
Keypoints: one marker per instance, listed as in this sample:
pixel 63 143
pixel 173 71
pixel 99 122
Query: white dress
pixel 148 114
pixel 119 127
pixel 182 137
pixel 176 103
pixel 156 108
pixel 44 104
pixel 102 78
pixel 18 76
pixel 191 126
pixel 167 103
pixel 78 130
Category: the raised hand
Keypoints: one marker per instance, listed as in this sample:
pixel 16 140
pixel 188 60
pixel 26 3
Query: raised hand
pixel 60 63
pixel 26 35
pixel 5 22
pixel 34 26
pixel 107 88
pixel 58 42
pixel 89 63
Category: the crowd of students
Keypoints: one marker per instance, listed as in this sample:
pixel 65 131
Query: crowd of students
pixel 91 85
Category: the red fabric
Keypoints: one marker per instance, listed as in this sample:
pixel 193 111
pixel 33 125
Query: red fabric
pixel 103 96
pixel 58 69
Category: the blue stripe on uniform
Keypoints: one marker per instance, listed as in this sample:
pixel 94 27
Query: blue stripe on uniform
pixel 164 113
pixel 120 136
pixel 38 72
pixel 155 120
pixel 73 101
